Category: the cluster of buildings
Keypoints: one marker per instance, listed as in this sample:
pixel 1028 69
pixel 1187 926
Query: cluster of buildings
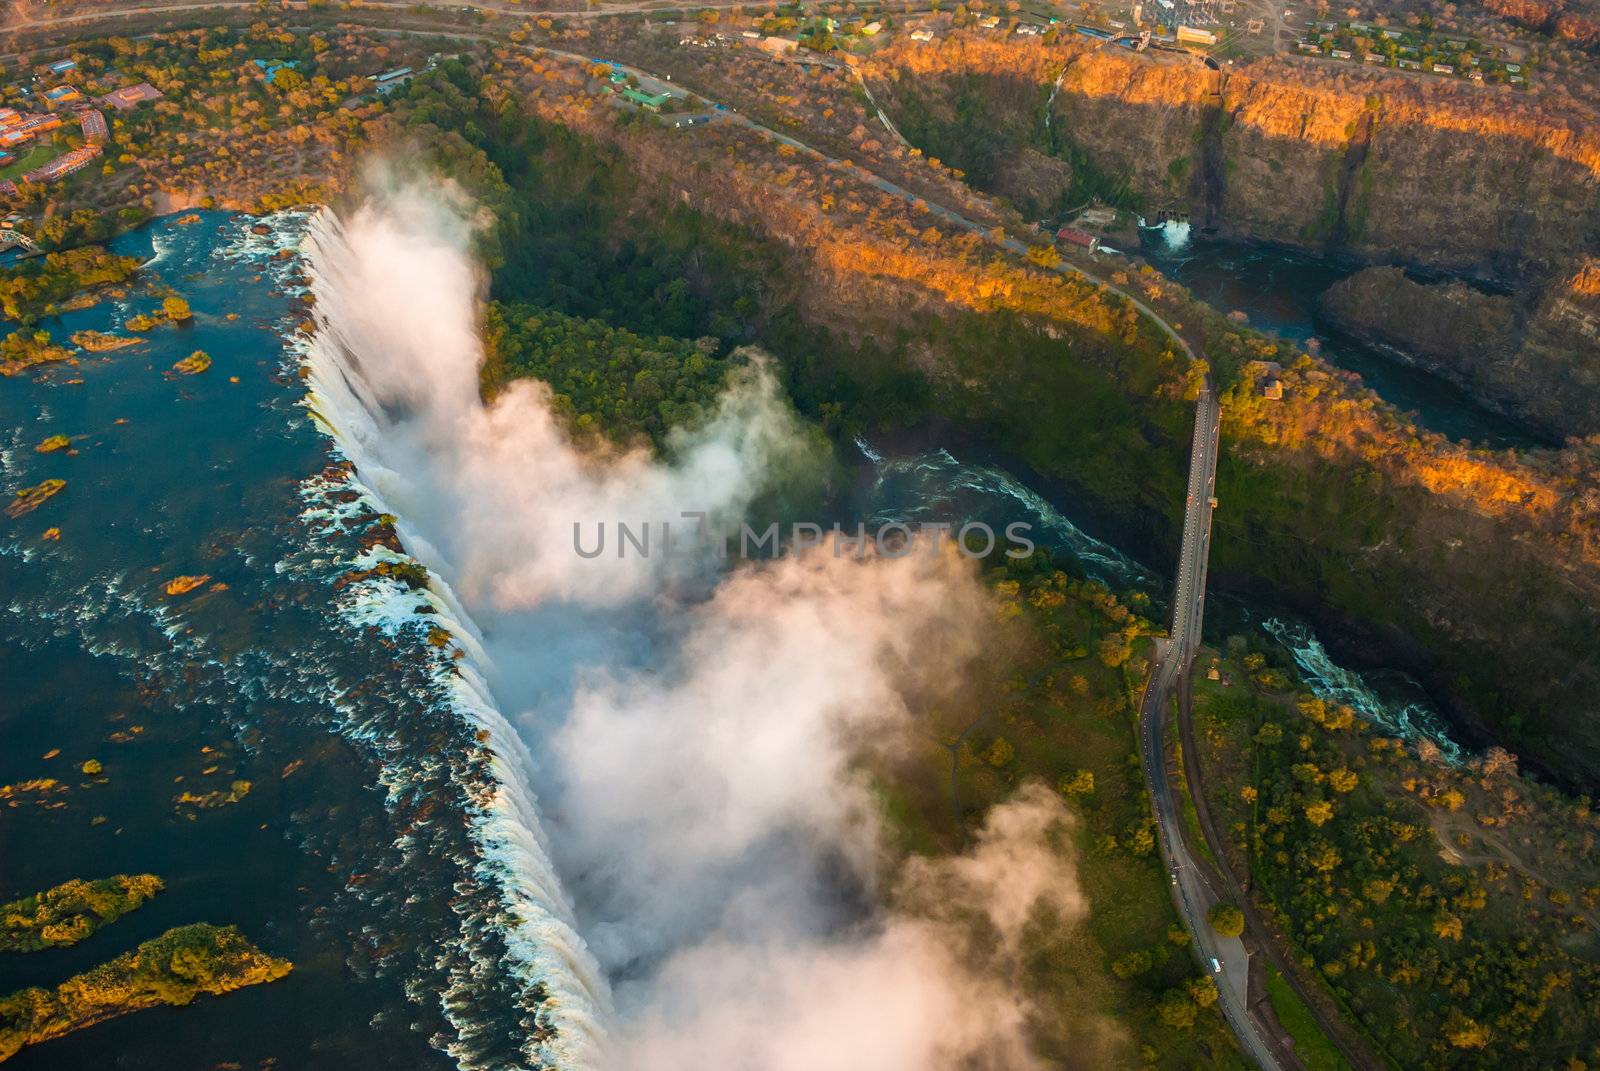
pixel 1381 46
pixel 18 129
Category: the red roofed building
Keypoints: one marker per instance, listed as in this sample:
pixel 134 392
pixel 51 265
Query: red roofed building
pixel 129 97
pixel 1073 236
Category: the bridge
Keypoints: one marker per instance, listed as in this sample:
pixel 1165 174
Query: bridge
pixel 1194 890
pixel 10 239
pixel 1193 887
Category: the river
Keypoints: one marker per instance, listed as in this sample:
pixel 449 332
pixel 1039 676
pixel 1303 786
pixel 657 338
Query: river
pixel 342 856
pixel 1278 290
pixel 388 843
pixel 936 484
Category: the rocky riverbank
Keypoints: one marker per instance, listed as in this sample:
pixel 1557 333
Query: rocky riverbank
pixel 1535 357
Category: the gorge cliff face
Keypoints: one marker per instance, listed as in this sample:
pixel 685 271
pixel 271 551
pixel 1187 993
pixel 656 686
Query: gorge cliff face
pixel 1536 359
pixel 1330 157
pixel 1478 571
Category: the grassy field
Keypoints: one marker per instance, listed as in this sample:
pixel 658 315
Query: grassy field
pixel 1310 1043
pixel 35 155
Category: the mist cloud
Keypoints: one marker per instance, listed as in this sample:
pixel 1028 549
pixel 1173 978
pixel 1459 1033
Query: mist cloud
pixel 697 745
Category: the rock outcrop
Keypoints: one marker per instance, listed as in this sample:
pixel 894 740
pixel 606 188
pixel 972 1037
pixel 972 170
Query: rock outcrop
pixel 1537 360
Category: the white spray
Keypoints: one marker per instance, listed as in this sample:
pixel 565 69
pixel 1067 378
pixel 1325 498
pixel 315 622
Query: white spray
pixel 695 744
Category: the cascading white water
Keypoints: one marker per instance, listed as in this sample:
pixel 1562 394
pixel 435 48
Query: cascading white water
pixel 1409 719
pixel 695 730
pixel 548 948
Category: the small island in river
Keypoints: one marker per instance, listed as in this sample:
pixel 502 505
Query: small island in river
pixel 72 911
pixel 171 969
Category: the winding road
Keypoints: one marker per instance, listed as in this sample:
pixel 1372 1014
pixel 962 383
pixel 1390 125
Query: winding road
pixel 1225 959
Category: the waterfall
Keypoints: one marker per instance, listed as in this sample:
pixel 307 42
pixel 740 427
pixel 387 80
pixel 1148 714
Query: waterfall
pixel 1049 104
pixel 542 936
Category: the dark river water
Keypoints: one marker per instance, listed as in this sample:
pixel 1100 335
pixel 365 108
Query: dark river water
pixel 1278 290
pixel 344 856
pixel 352 854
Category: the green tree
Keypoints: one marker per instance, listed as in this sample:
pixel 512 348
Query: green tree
pixel 1177 1010
pixel 1226 919
pixel 1001 752
pixel 1078 784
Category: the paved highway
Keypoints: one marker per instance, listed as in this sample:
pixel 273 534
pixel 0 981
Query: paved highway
pixel 1224 958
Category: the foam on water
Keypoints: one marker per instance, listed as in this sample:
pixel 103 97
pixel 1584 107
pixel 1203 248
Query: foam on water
pixel 1409 719
pixel 549 957
pixel 942 487
pixel 1175 234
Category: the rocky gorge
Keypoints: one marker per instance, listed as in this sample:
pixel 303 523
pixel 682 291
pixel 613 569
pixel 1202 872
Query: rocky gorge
pixel 1467 179
pixel 1534 356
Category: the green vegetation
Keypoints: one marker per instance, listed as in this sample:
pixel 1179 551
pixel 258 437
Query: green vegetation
pixel 566 239
pixel 1450 912
pixel 1296 520
pixel 172 969
pixel 192 365
pixel 965 130
pixel 37 286
pixel 71 911
pixel 1226 919
pixel 1059 708
pixel 1310 1043
pixel 605 378
pixel 1061 712
pixel 22 350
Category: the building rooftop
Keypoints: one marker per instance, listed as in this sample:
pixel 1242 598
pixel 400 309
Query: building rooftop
pixel 645 100
pixel 129 97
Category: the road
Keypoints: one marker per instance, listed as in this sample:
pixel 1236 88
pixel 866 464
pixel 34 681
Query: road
pixel 122 11
pixel 1192 888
